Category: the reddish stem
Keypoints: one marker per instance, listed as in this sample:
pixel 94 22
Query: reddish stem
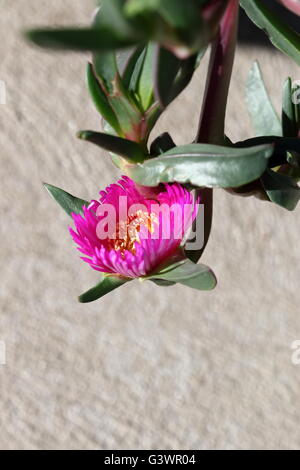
pixel 212 122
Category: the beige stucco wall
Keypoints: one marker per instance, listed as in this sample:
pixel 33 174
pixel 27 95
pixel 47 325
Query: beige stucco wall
pixel 145 367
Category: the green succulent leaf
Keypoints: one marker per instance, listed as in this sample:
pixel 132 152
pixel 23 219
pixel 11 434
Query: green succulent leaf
pixel 282 145
pixel 167 68
pixel 262 112
pixel 172 75
pixel 145 85
pixel 186 72
pixel 138 76
pixel 281 189
pixel 127 149
pixel 106 70
pixel 80 39
pixel 197 276
pixel 289 124
pixel 203 165
pixel 101 101
pixel 111 16
pixel 280 34
pixel 107 285
pixel 162 144
pixel 130 64
pixel 176 13
pixel 69 203
pixel 114 104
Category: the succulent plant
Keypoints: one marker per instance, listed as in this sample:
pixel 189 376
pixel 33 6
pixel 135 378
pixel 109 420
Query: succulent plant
pixel 143 55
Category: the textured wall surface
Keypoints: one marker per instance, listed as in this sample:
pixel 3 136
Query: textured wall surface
pixel 145 367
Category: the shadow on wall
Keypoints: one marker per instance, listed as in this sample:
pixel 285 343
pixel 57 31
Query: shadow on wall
pixel 250 34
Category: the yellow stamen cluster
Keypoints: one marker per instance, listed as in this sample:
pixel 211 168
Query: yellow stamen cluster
pixel 128 232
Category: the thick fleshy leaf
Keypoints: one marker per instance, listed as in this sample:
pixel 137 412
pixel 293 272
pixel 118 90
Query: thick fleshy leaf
pixel 128 149
pixel 162 144
pixel 176 13
pixel 137 75
pixel 283 37
pixel 281 189
pixel 122 114
pixel 105 63
pixel 186 72
pixel 100 100
pixel 203 165
pixel 105 68
pixel 197 276
pixel 69 203
pixel 130 64
pixel 289 124
pixel 172 75
pixel 107 285
pixel 167 67
pixel 281 147
pixel 144 89
pixel 84 39
pixel 264 118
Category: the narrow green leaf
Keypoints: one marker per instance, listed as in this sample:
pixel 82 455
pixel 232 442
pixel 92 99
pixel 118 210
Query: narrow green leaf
pixel 105 63
pixel 131 67
pixel 281 189
pixel 105 68
pixel 145 83
pixel 289 124
pixel 283 37
pixel 281 147
pixel 69 203
pixel 167 68
pixel 100 100
pixel 203 165
pixel 173 75
pixel 197 276
pixel 186 72
pixel 162 144
pixel 127 149
pixel 262 112
pixel 85 39
pixel 107 285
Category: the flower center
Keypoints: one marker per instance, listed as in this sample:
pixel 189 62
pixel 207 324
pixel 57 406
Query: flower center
pixel 128 232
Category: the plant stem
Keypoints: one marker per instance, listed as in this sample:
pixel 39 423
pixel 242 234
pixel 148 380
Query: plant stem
pixel 212 121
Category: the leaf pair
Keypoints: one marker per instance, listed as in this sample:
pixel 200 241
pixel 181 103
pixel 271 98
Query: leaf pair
pixel 263 115
pixel 279 183
pixel 196 276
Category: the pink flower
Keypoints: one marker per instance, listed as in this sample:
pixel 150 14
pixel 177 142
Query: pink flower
pixel 136 241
